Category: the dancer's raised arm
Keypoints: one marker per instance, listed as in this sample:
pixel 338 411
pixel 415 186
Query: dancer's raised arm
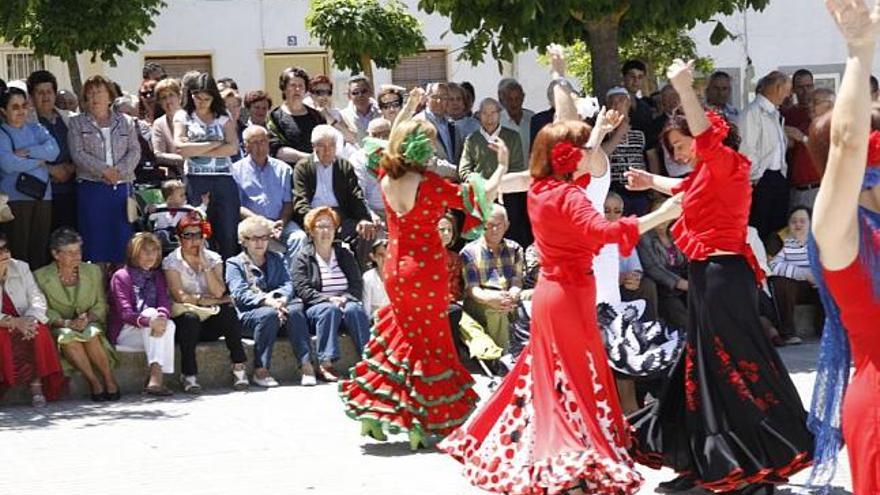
pixel 835 224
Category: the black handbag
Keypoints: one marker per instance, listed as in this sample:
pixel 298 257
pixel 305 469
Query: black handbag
pixel 31 186
pixel 27 184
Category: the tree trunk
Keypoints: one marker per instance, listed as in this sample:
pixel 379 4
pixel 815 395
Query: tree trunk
pixel 75 77
pixel 604 52
pixel 367 67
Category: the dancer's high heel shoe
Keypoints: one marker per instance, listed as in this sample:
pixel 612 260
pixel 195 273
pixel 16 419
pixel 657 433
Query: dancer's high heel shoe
pixel 373 429
pixel 417 441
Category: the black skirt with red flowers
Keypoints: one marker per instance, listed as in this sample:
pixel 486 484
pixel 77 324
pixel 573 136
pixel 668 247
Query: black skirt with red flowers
pixel 729 415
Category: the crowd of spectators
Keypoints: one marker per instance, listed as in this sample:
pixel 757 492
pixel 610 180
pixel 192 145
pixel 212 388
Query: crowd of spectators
pixel 267 222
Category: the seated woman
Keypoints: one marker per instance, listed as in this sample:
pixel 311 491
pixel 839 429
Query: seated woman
pixel 791 279
pixel 77 312
pixel 667 266
pixel 140 311
pixel 201 309
pixel 27 352
pixel 267 306
pixel 327 278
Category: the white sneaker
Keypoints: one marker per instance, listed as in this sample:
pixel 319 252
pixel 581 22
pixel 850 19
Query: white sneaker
pixel 240 381
pixel 190 385
pixel 793 340
pixel 265 382
pixel 308 381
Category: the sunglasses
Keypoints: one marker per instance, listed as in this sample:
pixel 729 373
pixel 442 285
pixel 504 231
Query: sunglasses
pixel 191 235
pixel 322 92
pixel 358 92
pixel 391 104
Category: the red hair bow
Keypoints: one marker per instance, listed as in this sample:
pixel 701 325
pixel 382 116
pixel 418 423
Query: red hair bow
pixel 874 149
pixel 564 158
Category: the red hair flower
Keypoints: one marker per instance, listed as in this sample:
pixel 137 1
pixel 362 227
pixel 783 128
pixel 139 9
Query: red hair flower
pixel 874 149
pixel 564 158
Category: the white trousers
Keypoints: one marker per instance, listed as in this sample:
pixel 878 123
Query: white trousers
pixel 159 350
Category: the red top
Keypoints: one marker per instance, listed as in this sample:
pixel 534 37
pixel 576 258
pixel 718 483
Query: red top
pixel 859 310
pixel 569 232
pixel 801 170
pixel 717 199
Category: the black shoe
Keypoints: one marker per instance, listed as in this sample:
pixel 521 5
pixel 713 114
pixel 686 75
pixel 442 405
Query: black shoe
pixel 112 397
pixel 99 397
pixel 681 484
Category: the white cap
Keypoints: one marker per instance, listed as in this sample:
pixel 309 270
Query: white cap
pixel 617 90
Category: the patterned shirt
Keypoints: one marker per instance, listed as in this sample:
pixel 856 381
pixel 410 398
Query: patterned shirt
pixel 629 153
pixel 484 269
pixel 333 281
pixel 791 261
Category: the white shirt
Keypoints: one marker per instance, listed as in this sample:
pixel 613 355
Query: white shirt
pixel 524 128
pixel 490 137
pixel 763 138
pixel 108 148
pixel 375 296
pixel 333 281
pixel 606 264
pixel 191 282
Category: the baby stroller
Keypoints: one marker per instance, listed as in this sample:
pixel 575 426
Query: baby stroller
pixel 150 202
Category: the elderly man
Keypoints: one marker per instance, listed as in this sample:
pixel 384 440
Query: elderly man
pixel 514 116
pixel 493 276
pixel 478 157
pixel 361 109
pixel 718 92
pixel 323 179
pixel 436 113
pixel 802 173
pixel 764 143
pixel 264 189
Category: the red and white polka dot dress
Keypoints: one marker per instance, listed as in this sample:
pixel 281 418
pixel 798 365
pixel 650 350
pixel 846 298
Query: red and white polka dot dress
pixel 555 423
pixel 410 376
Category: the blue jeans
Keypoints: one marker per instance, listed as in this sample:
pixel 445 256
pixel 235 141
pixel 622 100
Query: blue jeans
pixel 326 319
pixel 263 325
pixel 293 237
pixel 223 209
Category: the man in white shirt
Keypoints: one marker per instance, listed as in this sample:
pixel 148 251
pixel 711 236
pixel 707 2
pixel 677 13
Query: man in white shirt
pixel 514 116
pixel 361 108
pixel 764 143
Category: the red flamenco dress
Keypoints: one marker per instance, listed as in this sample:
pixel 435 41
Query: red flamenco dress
pixel 21 361
pixel 410 378
pixel 729 416
pixel 555 423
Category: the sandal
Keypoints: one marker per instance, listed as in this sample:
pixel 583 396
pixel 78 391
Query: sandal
pixel 37 397
pixel 326 373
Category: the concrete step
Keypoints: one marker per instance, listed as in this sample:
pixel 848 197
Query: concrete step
pixel 806 321
pixel 215 369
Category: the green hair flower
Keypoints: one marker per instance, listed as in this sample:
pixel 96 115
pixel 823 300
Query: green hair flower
pixel 417 147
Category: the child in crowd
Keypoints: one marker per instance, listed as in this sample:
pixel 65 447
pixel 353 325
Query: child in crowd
pixel 165 216
pixel 374 279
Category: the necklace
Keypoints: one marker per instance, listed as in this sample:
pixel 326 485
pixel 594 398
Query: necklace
pixel 71 279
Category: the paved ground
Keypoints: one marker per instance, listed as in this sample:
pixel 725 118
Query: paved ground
pixel 290 440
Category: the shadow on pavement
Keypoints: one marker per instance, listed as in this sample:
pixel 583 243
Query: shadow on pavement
pixel 800 358
pixel 96 414
pixel 393 449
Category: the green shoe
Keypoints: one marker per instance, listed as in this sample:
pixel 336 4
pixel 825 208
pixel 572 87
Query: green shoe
pixel 373 429
pixel 417 440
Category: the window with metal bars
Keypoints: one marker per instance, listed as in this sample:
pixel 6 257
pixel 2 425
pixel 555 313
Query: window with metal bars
pixel 418 70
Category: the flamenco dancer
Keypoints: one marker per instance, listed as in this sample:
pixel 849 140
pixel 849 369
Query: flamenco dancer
pixel 729 417
pixel 410 378
pixel 845 256
pixel 554 424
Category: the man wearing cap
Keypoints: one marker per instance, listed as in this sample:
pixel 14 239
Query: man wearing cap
pixel 626 148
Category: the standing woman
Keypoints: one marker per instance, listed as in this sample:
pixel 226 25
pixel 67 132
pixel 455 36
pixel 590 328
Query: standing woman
pixel 729 417
pixel 206 136
pixel 554 425
pixel 846 262
pixel 290 124
pixel 104 146
pixel 410 378
pixel 168 96
pixel 43 88
pixel 24 177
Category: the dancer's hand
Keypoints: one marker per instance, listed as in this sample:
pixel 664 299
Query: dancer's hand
pixel 857 24
pixel 501 151
pixel 681 74
pixel 607 121
pixel 557 60
pixel 638 179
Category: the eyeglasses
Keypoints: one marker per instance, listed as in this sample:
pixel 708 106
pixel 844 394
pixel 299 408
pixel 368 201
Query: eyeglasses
pixel 358 92
pixel 390 104
pixel 322 92
pixel 257 238
pixel 191 235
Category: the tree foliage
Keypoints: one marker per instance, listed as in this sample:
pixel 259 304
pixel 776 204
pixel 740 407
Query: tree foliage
pixel 64 28
pixel 506 27
pixel 360 31
pixel 656 49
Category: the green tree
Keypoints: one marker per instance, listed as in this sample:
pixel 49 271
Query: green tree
pixel 64 28
pixel 362 32
pixel 656 49
pixel 505 27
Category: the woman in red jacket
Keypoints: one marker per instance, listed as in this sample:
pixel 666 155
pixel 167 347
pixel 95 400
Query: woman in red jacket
pixel 729 417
